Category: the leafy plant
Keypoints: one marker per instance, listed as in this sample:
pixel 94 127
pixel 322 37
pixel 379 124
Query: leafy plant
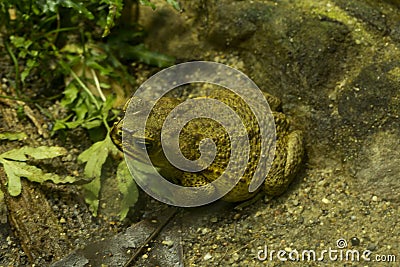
pixel 173 3
pixel 16 166
pixel 66 40
pixel 94 164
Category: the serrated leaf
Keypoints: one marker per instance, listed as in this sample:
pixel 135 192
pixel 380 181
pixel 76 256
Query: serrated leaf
pixel 73 124
pixel 30 64
pixel 45 152
pixel 95 156
pixel 128 189
pixel 78 6
pixel 70 94
pixel 15 154
pixel 92 124
pixel 20 42
pixel 115 9
pixel 58 125
pixel 141 53
pixel 91 191
pixel 41 152
pixel 13 178
pixel 16 168
pixel 13 136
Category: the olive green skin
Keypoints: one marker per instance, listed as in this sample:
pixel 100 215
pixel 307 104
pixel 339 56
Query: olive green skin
pixel 286 162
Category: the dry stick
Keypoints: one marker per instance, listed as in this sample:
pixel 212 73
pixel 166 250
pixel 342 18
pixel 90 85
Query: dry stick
pixel 154 234
pixel 14 103
pixel 13 220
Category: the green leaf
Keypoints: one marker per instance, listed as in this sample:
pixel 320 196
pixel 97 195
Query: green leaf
pixel 92 124
pixel 20 42
pixel 45 152
pixel 115 9
pixel 147 3
pixel 70 94
pixel 73 124
pixel 174 4
pixel 30 64
pixel 128 189
pixel 107 106
pixel 80 109
pixel 91 191
pixel 94 157
pixel 15 167
pixel 78 6
pixel 104 70
pixel 13 136
pixel 15 170
pixel 141 53
pixel 14 177
pixel 58 125
pixel 41 152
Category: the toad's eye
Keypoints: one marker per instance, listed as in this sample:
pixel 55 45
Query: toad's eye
pixel 144 144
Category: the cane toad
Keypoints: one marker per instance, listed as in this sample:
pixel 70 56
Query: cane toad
pixel 288 154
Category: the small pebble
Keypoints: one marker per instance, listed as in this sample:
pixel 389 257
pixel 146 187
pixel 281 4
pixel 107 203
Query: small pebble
pixel 374 198
pixel 235 257
pixel 355 241
pixel 207 256
pixel 204 231
pixel 258 214
pixel 214 219
pixel 237 216
pixel 168 243
pixel 371 247
pixel 9 241
pixel 326 201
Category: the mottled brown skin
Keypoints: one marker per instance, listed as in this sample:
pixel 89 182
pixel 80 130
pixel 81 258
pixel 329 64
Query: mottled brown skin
pixel 288 154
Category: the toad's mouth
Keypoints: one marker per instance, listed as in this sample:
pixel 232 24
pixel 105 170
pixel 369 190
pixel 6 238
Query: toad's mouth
pixel 134 147
pixel 144 151
pixel 134 153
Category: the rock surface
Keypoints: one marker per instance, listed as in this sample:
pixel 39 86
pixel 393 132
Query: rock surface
pixel 336 66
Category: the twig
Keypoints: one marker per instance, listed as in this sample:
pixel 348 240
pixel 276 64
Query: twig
pixel 97 83
pixel 14 103
pixel 154 234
